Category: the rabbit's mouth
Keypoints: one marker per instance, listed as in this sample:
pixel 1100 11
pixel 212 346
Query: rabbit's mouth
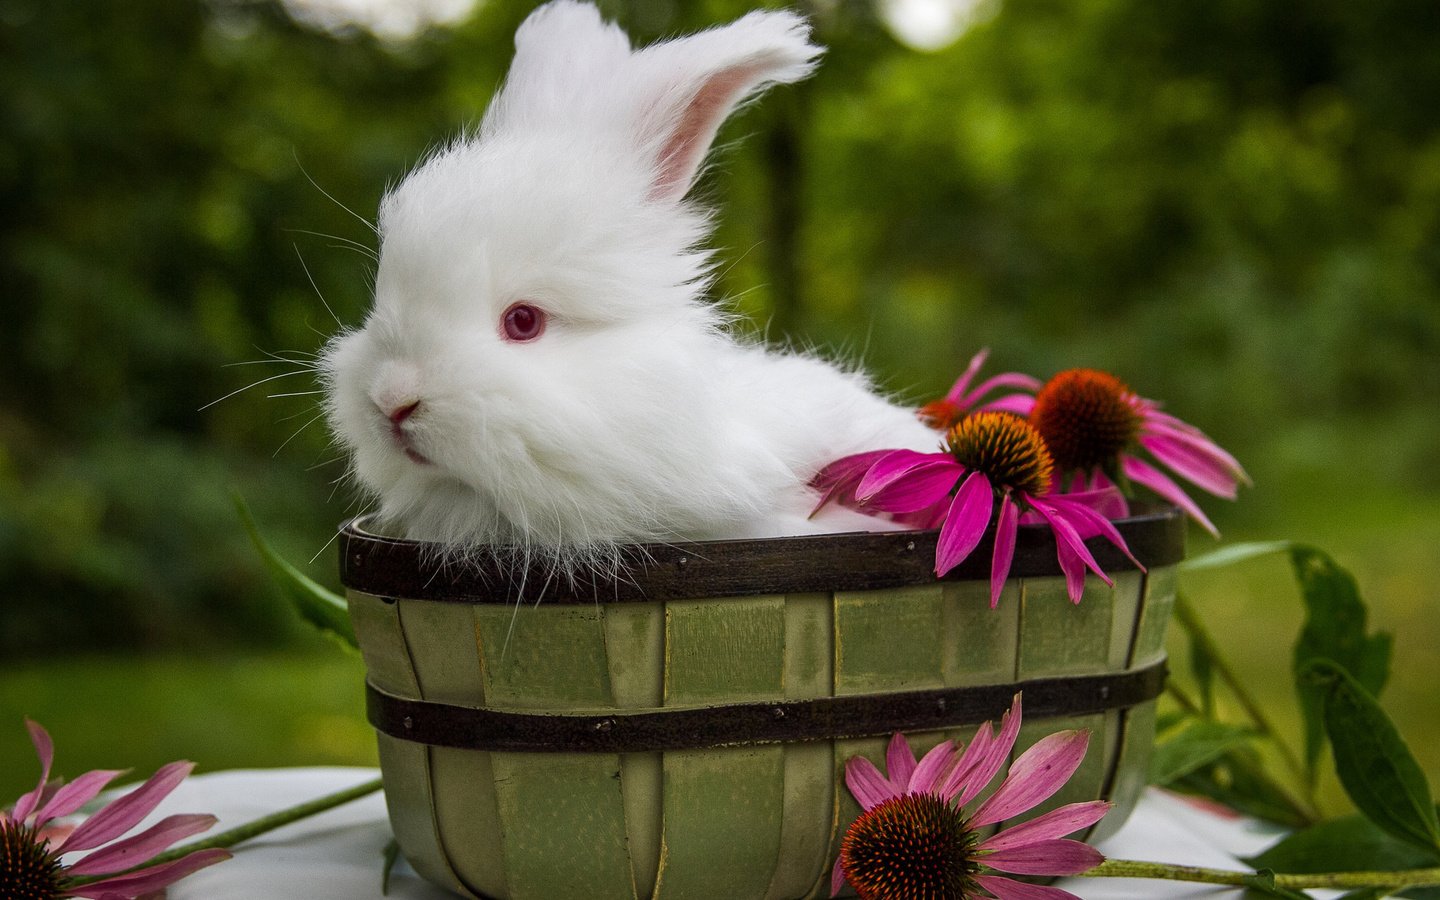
pixel 406 444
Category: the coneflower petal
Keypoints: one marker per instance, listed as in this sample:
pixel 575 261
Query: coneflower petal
pixel 963 382
pixel 1088 522
pixel 1056 823
pixel 932 768
pixel 840 478
pixel 145 881
pixel 1006 529
pixel 966 522
pixel 1069 548
pixel 837 878
pixel 1019 404
pixel 1167 425
pixel 1009 889
pixel 1035 776
pixel 45 749
pixel 1053 857
pixel 913 490
pixel 1192 464
pixel 995 754
pixel 1007 379
pixel 866 783
pixel 77 793
pixel 122 814
pixel 135 850
pixel 1143 473
pixel 958 778
pixel 1107 501
pixel 892 466
pixel 899 763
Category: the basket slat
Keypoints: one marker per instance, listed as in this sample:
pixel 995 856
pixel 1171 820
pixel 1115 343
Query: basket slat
pixel 808 793
pixel 564 803
pixel 635 653
pixel 466 806
pixel 404 766
pixel 1062 638
pixel 722 807
pixel 1137 743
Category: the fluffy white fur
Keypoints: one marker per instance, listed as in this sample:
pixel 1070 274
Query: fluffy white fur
pixel 635 417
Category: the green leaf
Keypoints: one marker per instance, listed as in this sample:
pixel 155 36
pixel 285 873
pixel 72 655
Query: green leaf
pixel 1170 720
pixel 1350 844
pixel 1375 766
pixel 1263 883
pixel 1237 780
pixel 1235 553
pixel 392 855
pixel 1335 622
pixel 320 607
pixel 1200 744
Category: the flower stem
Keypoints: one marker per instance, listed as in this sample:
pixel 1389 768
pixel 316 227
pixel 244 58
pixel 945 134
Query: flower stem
pixel 1126 868
pixel 1185 614
pixel 269 823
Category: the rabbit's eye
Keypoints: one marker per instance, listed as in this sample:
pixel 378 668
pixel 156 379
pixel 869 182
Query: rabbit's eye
pixel 522 322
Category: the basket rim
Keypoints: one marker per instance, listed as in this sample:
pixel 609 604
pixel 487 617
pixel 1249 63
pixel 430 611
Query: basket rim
pixel 398 568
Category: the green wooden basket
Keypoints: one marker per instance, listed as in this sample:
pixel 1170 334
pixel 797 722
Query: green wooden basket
pixel 680 730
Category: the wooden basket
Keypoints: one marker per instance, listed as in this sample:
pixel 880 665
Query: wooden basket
pixel 681 730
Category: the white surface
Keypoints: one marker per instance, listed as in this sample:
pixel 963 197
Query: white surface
pixel 338 854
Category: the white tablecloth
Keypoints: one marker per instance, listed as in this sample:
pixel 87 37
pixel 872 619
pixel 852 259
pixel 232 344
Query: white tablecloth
pixel 337 854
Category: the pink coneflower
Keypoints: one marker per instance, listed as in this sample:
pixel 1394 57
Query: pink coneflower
pixel 996 459
pixel 1094 424
pixel 962 399
pixel 31 847
pixel 915 839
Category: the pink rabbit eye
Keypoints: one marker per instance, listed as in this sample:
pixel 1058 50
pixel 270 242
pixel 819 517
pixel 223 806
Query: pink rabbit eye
pixel 522 322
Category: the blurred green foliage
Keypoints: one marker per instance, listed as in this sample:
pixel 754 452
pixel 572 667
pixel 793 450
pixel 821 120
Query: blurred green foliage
pixel 1233 204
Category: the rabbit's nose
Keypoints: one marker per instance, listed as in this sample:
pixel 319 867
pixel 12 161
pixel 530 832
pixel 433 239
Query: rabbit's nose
pixel 400 412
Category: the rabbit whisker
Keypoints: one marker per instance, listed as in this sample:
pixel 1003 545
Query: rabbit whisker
pixel 252 385
pixel 318 293
pixel 345 243
pixel 313 183
pixel 296 434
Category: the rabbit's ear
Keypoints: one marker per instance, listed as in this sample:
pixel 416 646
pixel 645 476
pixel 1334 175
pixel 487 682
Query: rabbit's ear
pixel 563 51
pixel 695 82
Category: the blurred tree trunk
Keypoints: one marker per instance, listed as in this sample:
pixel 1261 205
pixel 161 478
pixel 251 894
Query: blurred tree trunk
pixel 785 173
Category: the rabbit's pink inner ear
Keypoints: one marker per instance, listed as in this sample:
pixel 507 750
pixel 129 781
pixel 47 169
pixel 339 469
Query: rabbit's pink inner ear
pixel 693 130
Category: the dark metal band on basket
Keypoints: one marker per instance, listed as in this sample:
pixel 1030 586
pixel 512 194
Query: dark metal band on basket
pixel 821 718
pixel 390 567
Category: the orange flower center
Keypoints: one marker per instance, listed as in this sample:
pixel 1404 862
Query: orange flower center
pixel 28 870
pixel 1086 418
pixel 1005 448
pixel 911 846
pixel 939 414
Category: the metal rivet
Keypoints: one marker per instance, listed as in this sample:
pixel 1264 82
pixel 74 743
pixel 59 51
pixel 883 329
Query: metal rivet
pixel 358 560
pixel 409 723
pixel 1104 692
pixel 682 560
pixel 940 704
pixel 910 545
pixel 778 712
pixel 604 725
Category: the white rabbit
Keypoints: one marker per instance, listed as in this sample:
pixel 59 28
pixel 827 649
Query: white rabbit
pixel 541 367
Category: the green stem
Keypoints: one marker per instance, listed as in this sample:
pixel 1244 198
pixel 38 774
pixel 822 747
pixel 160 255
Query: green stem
pixel 257 827
pixel 1304 813
pixel 1126 868
pixel 1185 614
